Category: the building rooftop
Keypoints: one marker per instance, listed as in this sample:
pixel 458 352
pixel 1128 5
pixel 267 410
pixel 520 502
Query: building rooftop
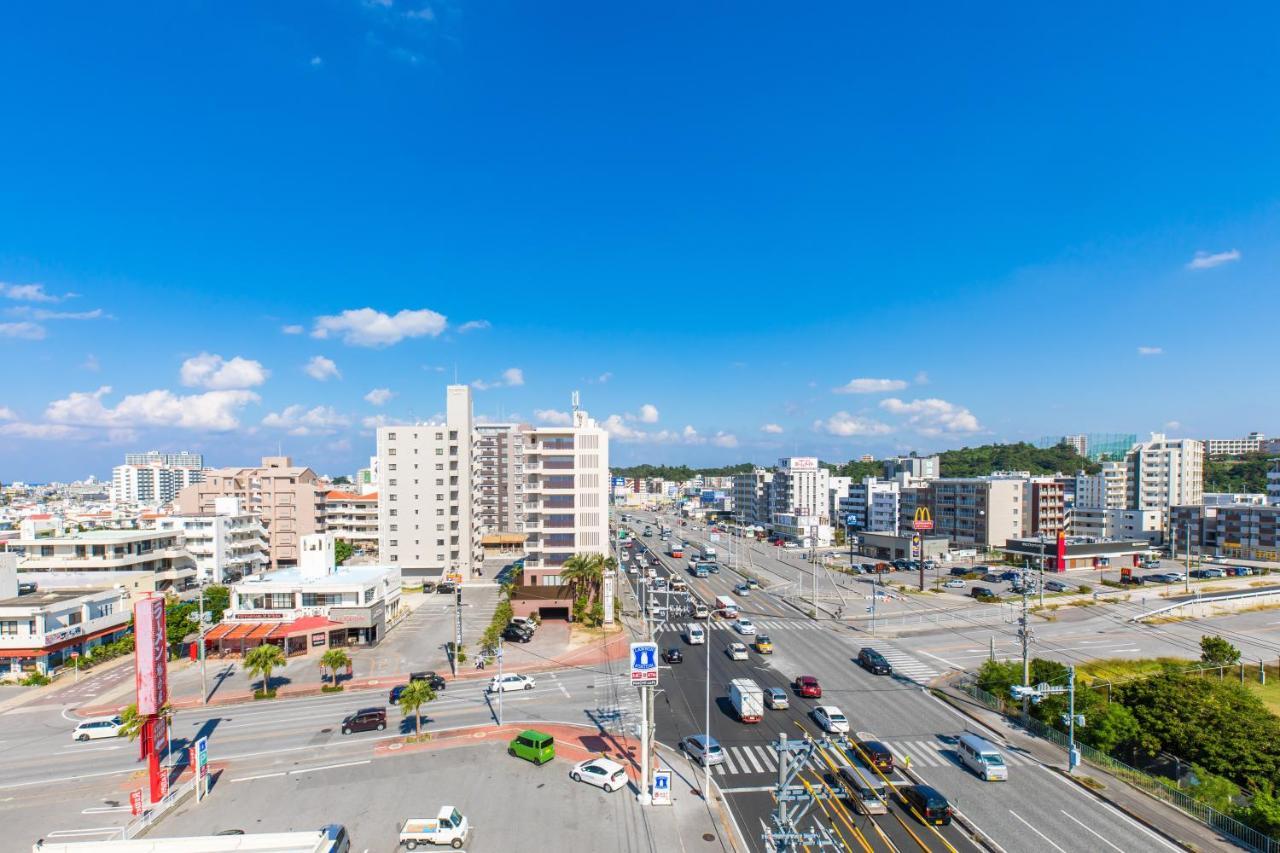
pixel 112 535
pixel 350 496
pixel 46 598
pixel 293 576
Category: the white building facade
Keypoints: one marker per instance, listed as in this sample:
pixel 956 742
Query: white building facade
pixel 150 485
pixel 226 544
pixel 1163 473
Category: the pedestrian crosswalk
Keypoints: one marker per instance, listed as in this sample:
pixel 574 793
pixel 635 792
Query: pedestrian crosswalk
pixel 904 664
pixel 923 752
pixel 762 625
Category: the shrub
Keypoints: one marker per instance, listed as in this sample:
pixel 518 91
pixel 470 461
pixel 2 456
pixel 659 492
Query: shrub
pixel 35 679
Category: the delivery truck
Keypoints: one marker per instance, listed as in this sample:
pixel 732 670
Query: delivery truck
pixel 450 827
pixel 747 699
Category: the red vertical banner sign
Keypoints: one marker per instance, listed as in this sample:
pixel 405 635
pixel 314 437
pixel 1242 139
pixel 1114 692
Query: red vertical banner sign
pixel 150 655
pixel 135 801
pixel 1062 551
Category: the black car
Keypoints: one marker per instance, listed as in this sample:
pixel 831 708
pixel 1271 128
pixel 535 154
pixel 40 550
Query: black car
pixel 982 592
pixel 959 571
pixel 445 587
pixel 927 804
pixel 673 655
pixel 365 720
pixel 516 634
pixel 436 681
pixel 1010 576
pixel 876 753
pixel 874 662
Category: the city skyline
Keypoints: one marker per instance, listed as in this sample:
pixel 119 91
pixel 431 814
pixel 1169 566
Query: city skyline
pixel 739 239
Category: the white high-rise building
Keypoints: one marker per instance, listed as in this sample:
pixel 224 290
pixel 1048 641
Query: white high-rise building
pixel 1107 489
pixel 751 496
pixel 800 487
pixel 1273 484
pixel 153 479
pixel 1251 443
pixel 1164 473
pixel 226 544
pixel 872 505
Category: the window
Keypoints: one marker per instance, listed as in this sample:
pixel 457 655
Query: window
pixel 439 451
pixel 395 512
pixel 8 627
pixel 279 600
pixel 368 594
pixel 391 466
pixel 439 543
pixel 439 466
pixel 394 543
pixel 391 451
pixel 391 436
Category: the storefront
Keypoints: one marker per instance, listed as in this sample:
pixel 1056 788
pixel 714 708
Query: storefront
pixel 299 637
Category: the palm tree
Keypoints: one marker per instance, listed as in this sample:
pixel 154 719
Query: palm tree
pixel 262 660
pixel 334 660
pixel 575 574
pixel 412 698
pixel 131 722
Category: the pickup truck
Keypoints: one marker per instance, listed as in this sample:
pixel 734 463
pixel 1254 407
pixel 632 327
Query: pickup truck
pixel 450 827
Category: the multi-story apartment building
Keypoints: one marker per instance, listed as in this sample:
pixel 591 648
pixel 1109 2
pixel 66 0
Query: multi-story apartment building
pixel 1251 443
pixel 837 490
pixel 977 511
pixel 751 496
pixel 426 517
pixel 800 487
pixel 912 469
pixel 353 518
pixel 287 498
pixel 1273 483
pixel 139 560
pixel 1164 472
pixel 1130 524
pixel 226 544
pixel 1045 506
pixel 496 473
pixel 1107 489
pixel 872 505
pixel 1244 532
pixel 1229 498
pixel 153 479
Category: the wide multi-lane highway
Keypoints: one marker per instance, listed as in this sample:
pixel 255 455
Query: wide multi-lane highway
pixel 1035 810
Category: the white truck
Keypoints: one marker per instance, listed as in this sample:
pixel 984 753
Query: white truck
pixel 329 839
pixel 450 827
pixel 709 553
pixel 747 699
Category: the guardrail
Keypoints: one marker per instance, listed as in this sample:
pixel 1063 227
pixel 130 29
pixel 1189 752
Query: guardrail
pixel 1153 785
pixel 1199 599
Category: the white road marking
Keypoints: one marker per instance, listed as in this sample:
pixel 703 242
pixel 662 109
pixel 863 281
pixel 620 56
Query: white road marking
pixel 1108 807
pixel 329 767
pixel 262 776
pixel 105 809
pixel 1087 829
pixel 1037 832
pixel 944 660
pixel 71 833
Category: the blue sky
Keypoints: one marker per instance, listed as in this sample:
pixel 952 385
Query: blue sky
pixel 740 231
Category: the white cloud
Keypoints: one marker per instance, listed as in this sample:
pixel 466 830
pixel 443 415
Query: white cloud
pixel 870 386
pixel 473 326
pixel 365 327
pixel 379 396
pixel 292 329
pixel 372 422
pixel 1173 425
pixel 724 439
pixel 933 416
pixel 553 416
pixel 618 428
pixel 423 14
pixel 772 429
pixel 845 424
pixel 1207 260
pixel 322 369
pixel 30 293
pixel 7 414
pixel 299 420
pixel 209 370
pixel 511 377
pixel 648 414
pixel 48 432
pixel 46 314
pixel 434 368
pixel 212 410
pixel 1150 350
pixel 22 331
pixel 690 435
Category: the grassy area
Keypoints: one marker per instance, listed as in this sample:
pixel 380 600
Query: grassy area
pixel 1119 669
pixel 1270 693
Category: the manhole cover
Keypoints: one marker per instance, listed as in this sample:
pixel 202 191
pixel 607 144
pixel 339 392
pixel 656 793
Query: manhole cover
pixel 326 731
pixel 707 836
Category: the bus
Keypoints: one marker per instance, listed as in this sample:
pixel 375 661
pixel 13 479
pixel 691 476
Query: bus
pixel 709 553
pixel 726 607
pixel 677 549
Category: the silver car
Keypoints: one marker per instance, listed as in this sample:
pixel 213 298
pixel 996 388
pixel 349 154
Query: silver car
pixel 702 749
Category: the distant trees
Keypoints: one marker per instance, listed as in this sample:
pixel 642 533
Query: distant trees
pixel 980 461
pixel 1247 473
pixel 680 473
pixel 1216 651
pixel 342 551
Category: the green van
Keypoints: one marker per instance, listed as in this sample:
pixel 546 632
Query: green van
pixel 534 746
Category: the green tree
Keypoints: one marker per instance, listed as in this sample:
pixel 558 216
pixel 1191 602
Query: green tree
pixel 1236 474
pixel 997 677
pixel 981 461
pixel 1263 811
pixel 217 598
pixel 412 698
pixel 342 551
pixel 177 620
pixel 1216 651
pixel 262 661
pixel 1110 727
pixel 1216 791
pixel 584 573
pixel 334 660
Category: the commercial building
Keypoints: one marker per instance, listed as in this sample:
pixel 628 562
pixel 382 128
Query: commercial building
pixel 287 498
pixel 226 544
pixel 751 496
pixel 353 518
pixel 911 470
pixel 871 505
pixel 1245 532
pixel 1059 553
pixel 1127 524
pixel 139 560
pixel 311 606
pixel 800 487
pixel 891 546
pixel 42 630
pixel 1164 472
pixel 1217 447
pixel 154 479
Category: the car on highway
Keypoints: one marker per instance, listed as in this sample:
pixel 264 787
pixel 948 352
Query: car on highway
pixel 926 803
pixel 744 626
pixel 514 681
pixel 830 718
pixel 807 686
pixel 736 651
pixel 700 611
pixel 365 720
pixel 763 645
pixel 875 753
pixel 742 589
pixel 695 635
pixel 1055 586
pixel 954 583
pixel 752 583
pixel 702 749
pixel 864 789
pixel 98 727
pixel 673 655
pixel 874 662
pixel 776 698
pixel 600 772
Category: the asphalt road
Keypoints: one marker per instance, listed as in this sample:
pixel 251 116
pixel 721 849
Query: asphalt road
pixel 1034 811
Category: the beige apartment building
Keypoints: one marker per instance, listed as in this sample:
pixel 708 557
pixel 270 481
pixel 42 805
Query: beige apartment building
pixel 287 497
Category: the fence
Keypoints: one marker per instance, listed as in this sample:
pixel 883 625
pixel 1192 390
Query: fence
pixel 1153 785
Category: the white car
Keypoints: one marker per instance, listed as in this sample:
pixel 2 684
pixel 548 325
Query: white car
pixel 745 627
pixel 600 772
pixel 831 720
pixel 737 651
pixel 954 583
pixel 510 682
pixel 98 727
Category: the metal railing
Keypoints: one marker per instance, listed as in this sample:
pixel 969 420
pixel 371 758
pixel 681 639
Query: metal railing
pixel 1159 788
pixel 159 810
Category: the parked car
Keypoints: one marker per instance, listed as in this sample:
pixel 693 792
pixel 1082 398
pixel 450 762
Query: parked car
pixel 673 655
pixel 830 718
pixel 365 720
pixel 776 698
pixel 98 727
pixel 1133 580
pixel 954 583
pixel 736 651
pixel 959 571
pixel 600 772
pixel 516 634
pixel 875 753
pixel 927 803
pixel 533 745
pixel 1009 576
pixel 807 686
pixel 874 662
pixel 992 577
pixel 868 567
pixel 515 681
pixel 1208 573
pixel 1055 586
pixel 1239 571
pixel 982 592
pixel 702 749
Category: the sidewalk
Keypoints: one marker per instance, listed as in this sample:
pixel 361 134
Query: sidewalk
pixel 1157 816
pixel 67 683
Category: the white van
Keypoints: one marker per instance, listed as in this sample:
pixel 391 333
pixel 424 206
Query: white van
pixel 700 611
pixel 98 727
pixel 695 635
pixel 982 758
pixel 866 791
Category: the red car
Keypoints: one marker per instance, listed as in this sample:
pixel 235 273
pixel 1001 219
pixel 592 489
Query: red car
pixel 807 686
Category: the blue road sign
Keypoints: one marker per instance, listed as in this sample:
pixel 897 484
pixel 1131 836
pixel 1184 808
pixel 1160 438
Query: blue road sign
pixel 644 663
pixel 661 788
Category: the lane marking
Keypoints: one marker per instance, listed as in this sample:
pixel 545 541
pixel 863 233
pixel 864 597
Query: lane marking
pixel 262 776
pixel 329 767
pixel 1037 832
pixel 1087 829
pixel 71 833
pixel 756 790
pixel 1108 807
pixel 944 660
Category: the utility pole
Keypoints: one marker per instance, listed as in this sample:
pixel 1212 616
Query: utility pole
pixel 1024 632
pixel 500 690
pixel 644 797
pixel 1186 541
pixel 1042 568
pixel 204 686
pixel 1073 755
pixel 813 560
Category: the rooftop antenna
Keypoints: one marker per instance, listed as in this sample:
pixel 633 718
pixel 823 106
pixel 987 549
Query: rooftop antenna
pixel 575 402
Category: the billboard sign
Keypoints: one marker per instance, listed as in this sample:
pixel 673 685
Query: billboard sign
pixel 923 521
pixel 150 655
pixel 644 663
pixel 135 802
